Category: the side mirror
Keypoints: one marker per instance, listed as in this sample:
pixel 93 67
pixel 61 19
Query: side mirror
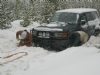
pixel 83 22
pixel 48 21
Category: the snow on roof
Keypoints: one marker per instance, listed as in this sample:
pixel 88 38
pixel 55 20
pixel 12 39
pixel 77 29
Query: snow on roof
pixel 78 10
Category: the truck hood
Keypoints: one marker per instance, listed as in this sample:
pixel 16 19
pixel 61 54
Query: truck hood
pixel 56 27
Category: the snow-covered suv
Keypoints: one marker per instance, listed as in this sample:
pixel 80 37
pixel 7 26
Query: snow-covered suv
pixel 56 33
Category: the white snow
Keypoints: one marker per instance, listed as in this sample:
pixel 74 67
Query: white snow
pixel 78 10
pixel 47 27
pixel 83 60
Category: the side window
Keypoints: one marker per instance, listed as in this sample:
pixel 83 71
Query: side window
pixel 90 16
pixel 95 14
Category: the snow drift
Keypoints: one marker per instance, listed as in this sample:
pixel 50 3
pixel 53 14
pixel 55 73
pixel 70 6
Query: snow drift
pixel 82 60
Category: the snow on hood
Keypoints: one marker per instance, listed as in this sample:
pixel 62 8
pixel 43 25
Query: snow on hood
pixel 48 29
pixel 52 25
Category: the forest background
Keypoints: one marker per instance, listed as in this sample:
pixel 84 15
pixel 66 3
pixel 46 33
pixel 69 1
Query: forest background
pixel 37 10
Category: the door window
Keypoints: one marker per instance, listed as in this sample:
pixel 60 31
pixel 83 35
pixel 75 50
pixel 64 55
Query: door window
pixel 90 16
pixel 95 14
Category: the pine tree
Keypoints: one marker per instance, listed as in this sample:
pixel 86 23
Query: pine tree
pixel 26 21
pixel 32 9
pixel 5 15
pixel 48 10
pixel 18 10
pixel 56 4
pixel 35 9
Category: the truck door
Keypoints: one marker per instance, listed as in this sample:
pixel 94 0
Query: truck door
pixel 96 19
pixel 83 22
pixel 90 22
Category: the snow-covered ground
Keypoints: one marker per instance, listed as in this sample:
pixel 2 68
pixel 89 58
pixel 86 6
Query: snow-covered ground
pixel 83 60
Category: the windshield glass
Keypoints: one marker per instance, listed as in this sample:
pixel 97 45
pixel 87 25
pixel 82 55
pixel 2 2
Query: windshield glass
pixel 65 17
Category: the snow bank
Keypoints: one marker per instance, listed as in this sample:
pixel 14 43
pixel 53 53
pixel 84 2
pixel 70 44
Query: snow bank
pixel 72 61
pixel 82 60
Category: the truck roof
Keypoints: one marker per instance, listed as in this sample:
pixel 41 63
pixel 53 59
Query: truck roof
pixel 78 10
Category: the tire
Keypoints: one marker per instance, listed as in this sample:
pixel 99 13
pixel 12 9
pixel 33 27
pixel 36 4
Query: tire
pixel 75 40
pixel 78 38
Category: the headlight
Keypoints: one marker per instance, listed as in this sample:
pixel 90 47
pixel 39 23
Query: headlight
pixel 40 34
pixel 63 34
pixel 44 34
pixel 34 33
pixel 58 35
pixel 47 34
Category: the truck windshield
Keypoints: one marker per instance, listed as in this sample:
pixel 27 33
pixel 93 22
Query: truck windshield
pixel 65 17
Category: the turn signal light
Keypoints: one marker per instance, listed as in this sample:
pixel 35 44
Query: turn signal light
pixel 64 34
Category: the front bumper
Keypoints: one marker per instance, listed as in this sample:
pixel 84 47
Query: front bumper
pixel 51 43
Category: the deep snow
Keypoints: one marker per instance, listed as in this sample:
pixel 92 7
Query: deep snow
pixel 83 60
